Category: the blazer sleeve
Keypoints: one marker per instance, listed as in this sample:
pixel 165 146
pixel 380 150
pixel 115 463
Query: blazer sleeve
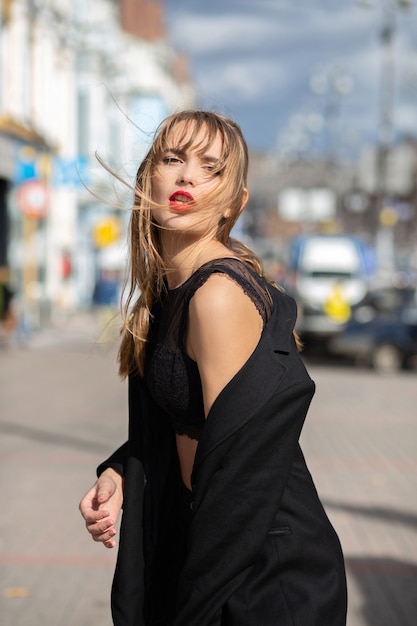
pixel 117 461
pixel 237 496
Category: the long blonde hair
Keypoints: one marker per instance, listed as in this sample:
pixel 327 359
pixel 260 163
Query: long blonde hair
pixel 147 270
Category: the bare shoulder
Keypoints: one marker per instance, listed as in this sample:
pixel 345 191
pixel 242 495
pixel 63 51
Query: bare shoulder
pixel 224 328
pixel 221 296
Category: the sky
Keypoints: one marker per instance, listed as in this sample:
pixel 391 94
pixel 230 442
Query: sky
pixel 299 75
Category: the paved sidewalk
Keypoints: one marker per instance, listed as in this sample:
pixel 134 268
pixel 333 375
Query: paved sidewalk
pixel 63 408
pixel 361 445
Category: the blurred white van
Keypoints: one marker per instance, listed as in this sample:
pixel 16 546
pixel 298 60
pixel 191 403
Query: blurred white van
pixel 330 278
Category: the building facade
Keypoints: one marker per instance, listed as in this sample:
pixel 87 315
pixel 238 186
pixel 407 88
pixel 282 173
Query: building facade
pixel 76 77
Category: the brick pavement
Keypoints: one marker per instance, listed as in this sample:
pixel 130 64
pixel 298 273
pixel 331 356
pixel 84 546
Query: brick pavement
pixel 62 408
pixel 361 445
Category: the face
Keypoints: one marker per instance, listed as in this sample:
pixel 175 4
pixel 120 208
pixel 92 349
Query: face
pixel 182 179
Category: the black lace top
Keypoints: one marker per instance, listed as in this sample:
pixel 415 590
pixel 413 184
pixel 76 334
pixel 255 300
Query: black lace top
pixel 171 375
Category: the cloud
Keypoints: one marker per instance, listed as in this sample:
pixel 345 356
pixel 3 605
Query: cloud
pixel 220 34
pixel 246 78
pixel 257 58
pixel 252 51
pixel 406 119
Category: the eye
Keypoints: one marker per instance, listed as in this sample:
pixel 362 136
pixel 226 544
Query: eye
pixel 170 160
pixel 211 168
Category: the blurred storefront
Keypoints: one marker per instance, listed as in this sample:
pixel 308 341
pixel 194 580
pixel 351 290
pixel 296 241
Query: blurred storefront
pixel 76 78
pixel 25 190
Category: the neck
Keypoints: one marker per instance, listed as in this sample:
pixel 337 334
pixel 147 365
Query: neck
pixel 182 257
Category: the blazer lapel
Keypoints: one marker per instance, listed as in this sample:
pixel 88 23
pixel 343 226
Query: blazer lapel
pixel 254 384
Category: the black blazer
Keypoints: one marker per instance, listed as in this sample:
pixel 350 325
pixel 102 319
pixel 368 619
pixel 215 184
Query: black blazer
pixel 260 549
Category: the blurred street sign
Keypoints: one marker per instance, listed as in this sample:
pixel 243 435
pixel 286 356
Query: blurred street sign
pixel 31 164
pixel 25 164
pixel 70 172
pixel 106 232
pixel 388 216
pixel 32 198
pixel 312 205
pixel 400 176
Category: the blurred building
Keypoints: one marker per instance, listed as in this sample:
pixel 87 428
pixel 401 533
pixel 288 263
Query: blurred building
pixel 303 194
pixel 76 77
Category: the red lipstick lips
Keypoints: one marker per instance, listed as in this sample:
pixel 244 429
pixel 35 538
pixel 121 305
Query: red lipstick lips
pixel 181 200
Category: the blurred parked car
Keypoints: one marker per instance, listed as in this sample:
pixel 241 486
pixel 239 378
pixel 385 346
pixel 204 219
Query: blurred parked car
pixel 382 335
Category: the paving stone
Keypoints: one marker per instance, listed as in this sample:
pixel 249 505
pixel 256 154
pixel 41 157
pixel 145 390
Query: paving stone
pixel 63 409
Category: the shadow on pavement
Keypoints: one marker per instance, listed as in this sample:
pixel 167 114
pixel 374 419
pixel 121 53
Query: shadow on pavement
pixel 375 512
pixel 388 588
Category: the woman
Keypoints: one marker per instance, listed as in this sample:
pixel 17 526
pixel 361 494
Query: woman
pixel 221 521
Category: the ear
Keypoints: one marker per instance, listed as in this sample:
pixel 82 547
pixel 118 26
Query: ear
pixel 245 198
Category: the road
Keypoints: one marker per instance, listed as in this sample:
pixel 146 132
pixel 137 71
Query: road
pixel 63 408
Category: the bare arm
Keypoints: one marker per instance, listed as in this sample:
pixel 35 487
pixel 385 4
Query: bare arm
pixel 224 329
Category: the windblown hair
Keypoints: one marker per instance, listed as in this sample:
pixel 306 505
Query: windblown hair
pixel 147 270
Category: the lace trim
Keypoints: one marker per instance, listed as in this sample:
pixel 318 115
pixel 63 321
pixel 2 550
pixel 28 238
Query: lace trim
pixel 192 431
pixel 237 271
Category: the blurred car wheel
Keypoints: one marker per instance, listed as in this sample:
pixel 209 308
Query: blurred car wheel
pixel 386 358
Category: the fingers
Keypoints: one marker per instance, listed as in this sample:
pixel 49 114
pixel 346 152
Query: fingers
pixel 92 515
pixel 100 508
pixel 102 531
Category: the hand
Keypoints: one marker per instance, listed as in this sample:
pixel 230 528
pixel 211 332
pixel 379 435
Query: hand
pixel 101 506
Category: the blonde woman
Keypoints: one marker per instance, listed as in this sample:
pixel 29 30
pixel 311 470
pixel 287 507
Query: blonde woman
pixel 221 524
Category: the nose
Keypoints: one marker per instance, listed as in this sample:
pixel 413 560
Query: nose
pixel 186 174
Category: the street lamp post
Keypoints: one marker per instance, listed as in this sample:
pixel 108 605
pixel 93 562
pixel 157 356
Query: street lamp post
pixel 387 94
pixel 384 214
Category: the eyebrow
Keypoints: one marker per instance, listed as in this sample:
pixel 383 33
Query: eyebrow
pixel 182 153
pixel 176 151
